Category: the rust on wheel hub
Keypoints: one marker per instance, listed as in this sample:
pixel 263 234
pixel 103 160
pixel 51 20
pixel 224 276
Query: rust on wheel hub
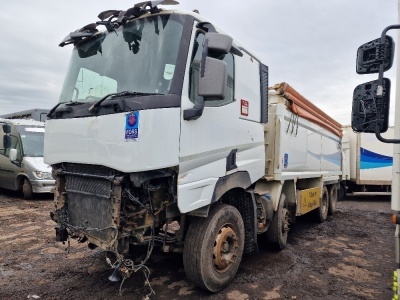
pixel 225 248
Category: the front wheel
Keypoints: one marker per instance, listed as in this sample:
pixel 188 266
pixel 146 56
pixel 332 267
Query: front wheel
pixel 214 248
pixel 27 189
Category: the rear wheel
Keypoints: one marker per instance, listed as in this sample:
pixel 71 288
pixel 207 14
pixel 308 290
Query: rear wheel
pixel 214 247
pixel 333 199
pixel 321 213
pixel 342 191
pixel 279 228
pixel 27 189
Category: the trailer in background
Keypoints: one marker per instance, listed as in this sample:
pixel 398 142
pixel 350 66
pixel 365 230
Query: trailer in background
pixel 367 163
pixel 37 114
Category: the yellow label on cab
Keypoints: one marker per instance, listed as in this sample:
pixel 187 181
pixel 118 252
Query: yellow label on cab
pixel 309 199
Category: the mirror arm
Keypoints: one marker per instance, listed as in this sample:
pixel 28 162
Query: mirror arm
pixel 203 58
pixel 195 112
pixel 380 90
pixel 380 137
pixel 380 75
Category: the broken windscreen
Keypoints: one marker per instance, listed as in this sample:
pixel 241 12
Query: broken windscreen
pixel 140 56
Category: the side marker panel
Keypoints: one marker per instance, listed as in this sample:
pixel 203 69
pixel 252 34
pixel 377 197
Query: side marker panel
pixel 309 199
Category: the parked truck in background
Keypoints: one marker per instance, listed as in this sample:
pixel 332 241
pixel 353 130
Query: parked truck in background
pixel 37 114
pixel 367 163
pixel 166 135
pixel 21 161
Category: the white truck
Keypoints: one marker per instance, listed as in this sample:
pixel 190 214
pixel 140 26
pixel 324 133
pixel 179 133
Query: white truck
pixel 165 134
pixel 21 158
pixel 367 163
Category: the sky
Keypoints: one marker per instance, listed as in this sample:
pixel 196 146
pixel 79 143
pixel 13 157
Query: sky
pixel 311 44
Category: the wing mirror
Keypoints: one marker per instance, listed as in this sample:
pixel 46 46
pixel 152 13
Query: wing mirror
pixel 212 82
pixel 370 113
pixel 6 141
pixel 213 75
pixel 213 72
pixel 6 128
pixel 218 42
pixel 13 154
pixel 372 55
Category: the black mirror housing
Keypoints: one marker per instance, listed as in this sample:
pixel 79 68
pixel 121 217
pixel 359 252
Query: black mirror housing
pixel 6 128
pixel 370 112
pixel 372 54
pixel 6 141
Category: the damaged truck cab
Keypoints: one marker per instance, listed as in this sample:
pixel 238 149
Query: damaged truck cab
pixel 163 136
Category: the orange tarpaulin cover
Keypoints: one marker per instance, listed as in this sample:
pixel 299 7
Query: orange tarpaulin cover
pixel 304 108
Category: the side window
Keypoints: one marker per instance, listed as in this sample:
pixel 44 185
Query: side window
pixel 14 145
pixel 195 72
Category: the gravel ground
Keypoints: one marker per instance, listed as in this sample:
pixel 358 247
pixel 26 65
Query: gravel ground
pixel 350 256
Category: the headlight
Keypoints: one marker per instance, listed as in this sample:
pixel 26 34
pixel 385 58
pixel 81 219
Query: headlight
pixel 43 175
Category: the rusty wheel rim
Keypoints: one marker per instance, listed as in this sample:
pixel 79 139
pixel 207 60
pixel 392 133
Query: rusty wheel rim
pixel 226 245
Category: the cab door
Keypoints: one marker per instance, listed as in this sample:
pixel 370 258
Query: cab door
pixel 216 144
pixel 8 170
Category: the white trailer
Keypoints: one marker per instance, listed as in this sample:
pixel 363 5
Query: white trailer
pixel 367 163
pixel 174 140
pixel 37 114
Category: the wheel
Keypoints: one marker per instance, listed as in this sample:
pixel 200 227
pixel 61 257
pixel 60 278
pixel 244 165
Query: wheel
pixel 333 198
pixel 321 213
pixel 213 248
pixel 27 189
pixel 278 230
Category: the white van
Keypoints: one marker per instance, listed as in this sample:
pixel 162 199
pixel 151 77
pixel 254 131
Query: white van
pixel 21 165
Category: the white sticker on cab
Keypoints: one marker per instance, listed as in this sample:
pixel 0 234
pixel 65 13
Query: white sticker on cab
pixel 169 71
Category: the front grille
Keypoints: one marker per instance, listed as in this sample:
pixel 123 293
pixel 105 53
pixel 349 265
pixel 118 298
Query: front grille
pixel 90 186
pixel 89 204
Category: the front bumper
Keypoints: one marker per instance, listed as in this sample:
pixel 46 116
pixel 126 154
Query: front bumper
pixel 43 186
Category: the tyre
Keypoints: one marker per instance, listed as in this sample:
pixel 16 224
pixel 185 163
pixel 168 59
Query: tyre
pixel 321 213
pixel 27 189
pixel 333 199
pixel 278 230
pixel 214 247
pixel 342 191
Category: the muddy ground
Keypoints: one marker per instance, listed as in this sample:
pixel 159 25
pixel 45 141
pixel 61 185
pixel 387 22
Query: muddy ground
pixel 351 256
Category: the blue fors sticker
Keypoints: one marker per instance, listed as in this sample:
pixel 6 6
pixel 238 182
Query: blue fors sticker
pixel 132 126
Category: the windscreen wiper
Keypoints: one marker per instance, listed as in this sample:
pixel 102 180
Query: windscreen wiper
pixel 54 109
pixel 93 109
